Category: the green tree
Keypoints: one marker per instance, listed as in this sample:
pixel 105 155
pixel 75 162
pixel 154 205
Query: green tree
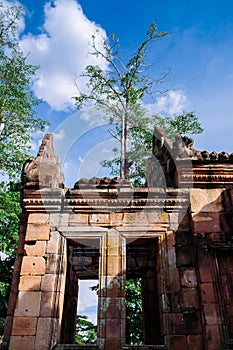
pixel 141 136
pixel 86 331
pixel 9 228
pixel 133 304
pixel 119 91
pixel 17 102
pixel 17 123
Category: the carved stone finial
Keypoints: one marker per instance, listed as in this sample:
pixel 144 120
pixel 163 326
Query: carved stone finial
pixel 45 169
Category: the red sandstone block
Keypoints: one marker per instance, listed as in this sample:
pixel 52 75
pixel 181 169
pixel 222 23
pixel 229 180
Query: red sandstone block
pixel 211 314
pixel 178 324
pixel 112 286
pixel 207 293
pixel 112 308
pixel 178 342
pixel 24 326
pixel 112 344
pixel 48 282
pixel 113 330
pixel 174 280
pixel 190 298
pixel 28 304
pixel 30 283
pixel 213 337
pixel 98 219
pixel 188 277
pixel 44 333
pixel 35 248
pixel 53 244
pixel 195 342
pixel 78 219
pixel 59 306
pixel 116 219
pixel 38 218
pixel 206 222
pixel 206 267
pixel 53 264
pixel 37 232
pixel 206 200
pixel 22 343
pixel 47 306
pixel 33 265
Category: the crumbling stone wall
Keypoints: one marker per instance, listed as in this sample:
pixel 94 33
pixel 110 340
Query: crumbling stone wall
pixel 187 282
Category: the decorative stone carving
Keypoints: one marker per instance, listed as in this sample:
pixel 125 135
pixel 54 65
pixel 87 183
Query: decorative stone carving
pixel 45 169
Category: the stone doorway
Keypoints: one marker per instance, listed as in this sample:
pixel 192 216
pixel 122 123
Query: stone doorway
pixel 110 259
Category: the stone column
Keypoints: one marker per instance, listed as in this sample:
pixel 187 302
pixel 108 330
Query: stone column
pixel 111 313
pixel 38 310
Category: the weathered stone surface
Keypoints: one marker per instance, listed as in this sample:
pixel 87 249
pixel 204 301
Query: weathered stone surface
pixel 53 263
pixel 99 219
pixel 37 232
pixel 48 283
pixel 206 200
pixel 38 218
pixel 186 268
pixel 188 277
pixel 206 222
pixel 78 219
pixel 28 304
pixel 195 342
pixel 44 336
pixel 177 342
pixel 30 283
pixel 22 342
pixel 53 245
pixel 47 304
pixel 33 265
pixel 24 326
pixel 35 248
pixel 208 294
pixel 190 299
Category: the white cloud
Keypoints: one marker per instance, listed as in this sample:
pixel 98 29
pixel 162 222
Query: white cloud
pixel 62 51
pixel 59 135
pixel 173 102
pixel 87 297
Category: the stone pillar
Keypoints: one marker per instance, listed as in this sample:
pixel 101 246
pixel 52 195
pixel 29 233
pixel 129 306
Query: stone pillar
pixel 111 313
pixel 38 311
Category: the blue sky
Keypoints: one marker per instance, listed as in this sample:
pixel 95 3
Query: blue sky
pixel 198 52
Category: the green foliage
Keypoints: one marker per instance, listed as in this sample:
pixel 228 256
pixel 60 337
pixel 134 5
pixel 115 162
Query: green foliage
pixel 141 136
pixel 133 305
pixel 9 228
pixel 86 331
pixel 119 90
pixel 16 99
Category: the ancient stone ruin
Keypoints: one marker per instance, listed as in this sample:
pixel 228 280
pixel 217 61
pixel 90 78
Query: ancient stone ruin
pixel 176 235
